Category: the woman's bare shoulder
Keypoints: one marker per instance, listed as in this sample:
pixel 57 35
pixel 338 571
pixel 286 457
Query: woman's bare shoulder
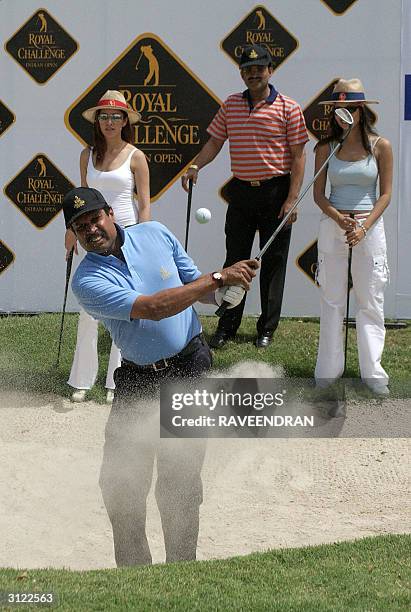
pixel 84 155
pixel 382 143
pixel 137 155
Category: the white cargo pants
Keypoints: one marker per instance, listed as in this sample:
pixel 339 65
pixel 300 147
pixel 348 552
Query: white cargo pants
pixel 369 272
pixel 85 362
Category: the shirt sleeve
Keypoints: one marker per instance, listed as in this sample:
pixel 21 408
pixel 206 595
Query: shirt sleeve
pixel 102 299
pixel 296 128
pixel 218 127
pixel 187 270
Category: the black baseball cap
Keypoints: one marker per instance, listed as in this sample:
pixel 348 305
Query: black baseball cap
pixel 81 200
pixel 254 55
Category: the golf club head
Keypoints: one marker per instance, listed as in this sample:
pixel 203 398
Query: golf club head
pixel 345 116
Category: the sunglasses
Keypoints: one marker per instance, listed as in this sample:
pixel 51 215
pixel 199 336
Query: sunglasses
pixel 114 118
pixel 351 108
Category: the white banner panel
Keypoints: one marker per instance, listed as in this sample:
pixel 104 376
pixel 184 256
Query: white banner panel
pixel 57 53
pixel 403 287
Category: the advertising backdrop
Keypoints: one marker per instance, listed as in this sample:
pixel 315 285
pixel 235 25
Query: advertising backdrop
pixel 176 63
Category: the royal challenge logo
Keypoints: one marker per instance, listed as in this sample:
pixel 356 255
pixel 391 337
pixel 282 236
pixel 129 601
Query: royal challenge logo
pixel 260 28
pixel 317 116
pixel 6 257
pixel 7 118
pixel 175 107
pixel 38 190
pixel 339 6
pixel 41 46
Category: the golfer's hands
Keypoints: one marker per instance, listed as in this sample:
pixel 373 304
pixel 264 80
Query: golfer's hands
pixel 70 242
pixel 192 174
pixel 285 208
pixel 233 295
pixel 240 274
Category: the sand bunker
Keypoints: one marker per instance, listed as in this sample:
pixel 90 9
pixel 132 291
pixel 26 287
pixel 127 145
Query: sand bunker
pixel 258 493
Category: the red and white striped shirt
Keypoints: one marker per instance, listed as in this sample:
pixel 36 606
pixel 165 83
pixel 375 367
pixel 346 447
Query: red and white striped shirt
pixel 260 137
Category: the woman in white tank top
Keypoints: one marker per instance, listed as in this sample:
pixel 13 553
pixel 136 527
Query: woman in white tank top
pixel 360 176
pixel 117 169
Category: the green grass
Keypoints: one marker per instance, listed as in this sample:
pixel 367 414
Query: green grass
pixel 28 347
pixel 367 575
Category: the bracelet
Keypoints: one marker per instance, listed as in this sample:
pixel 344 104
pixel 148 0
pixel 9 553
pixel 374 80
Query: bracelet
pixel 361 224
pixel 193 167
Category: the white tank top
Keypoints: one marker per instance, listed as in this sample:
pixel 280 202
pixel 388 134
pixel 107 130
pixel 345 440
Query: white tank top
pixel 117 187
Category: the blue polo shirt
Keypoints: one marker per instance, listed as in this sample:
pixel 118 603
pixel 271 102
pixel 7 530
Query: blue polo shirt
pixel 106 288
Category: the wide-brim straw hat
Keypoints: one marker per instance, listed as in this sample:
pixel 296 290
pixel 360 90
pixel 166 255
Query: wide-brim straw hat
pixel 348 91
pixel 114 100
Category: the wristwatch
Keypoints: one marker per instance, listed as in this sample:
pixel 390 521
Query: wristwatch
pixel 218 277
pixel 193 167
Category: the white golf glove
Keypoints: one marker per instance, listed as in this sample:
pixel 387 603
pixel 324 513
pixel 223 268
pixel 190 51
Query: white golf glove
pixel 233 295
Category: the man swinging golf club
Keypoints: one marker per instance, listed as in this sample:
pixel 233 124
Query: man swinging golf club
pixel 141 284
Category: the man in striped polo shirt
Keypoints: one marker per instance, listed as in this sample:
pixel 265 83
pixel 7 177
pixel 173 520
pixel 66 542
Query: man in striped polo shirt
pixel 267 134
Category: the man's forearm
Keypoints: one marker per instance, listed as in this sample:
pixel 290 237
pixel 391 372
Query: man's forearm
pixel 209 151
pixel 297 176
pixel 170 302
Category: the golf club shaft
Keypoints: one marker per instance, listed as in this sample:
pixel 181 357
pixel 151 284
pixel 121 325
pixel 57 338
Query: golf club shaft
pixel 68 274
pixel 294 206
pixel 190 195
pixel 347 309
pixel 221 309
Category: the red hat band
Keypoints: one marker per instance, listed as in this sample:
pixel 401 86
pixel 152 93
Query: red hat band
pixel 115 103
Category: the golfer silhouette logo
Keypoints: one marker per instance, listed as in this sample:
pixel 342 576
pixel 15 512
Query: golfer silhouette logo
pixel 261 18
pixel 153 65
pixel 43 22
pixel 42 170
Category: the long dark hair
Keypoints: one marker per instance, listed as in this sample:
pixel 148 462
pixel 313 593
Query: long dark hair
pixel 366 124
pixel 99 142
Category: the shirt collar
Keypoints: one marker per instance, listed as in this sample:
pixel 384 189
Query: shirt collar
pixel 269 99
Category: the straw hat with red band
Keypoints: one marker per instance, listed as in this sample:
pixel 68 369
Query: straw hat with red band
pixel 113 100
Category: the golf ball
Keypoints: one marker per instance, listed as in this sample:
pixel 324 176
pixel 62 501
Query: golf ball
pixel 203 215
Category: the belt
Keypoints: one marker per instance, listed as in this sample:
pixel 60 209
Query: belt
pixel 355 214
pixel 265 181
pixel 162 364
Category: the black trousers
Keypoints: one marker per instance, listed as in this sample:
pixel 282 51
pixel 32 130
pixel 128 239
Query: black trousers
pixel 251 209
pixel 132 445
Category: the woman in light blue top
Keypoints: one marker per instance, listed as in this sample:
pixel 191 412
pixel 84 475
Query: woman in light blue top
pixel 360 177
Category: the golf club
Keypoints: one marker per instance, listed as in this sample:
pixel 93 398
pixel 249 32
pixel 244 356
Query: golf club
pixel 348 304
pixel 68 273
pixel 346 118
pixel 190 195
